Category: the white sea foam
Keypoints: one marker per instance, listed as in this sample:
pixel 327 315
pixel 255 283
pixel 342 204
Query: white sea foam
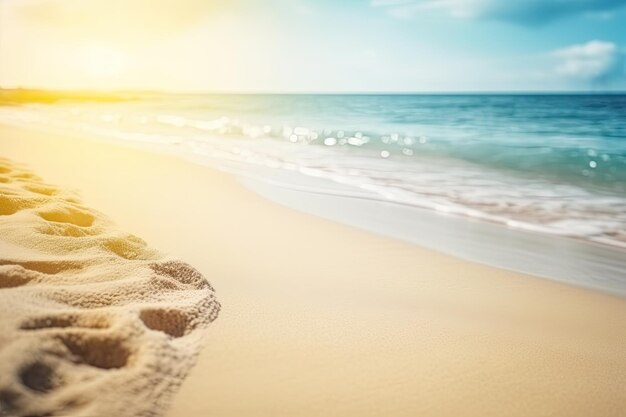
pixel 392 167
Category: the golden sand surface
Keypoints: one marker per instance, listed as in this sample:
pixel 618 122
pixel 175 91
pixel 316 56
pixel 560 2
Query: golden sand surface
pixel 321 319
pixel 93 322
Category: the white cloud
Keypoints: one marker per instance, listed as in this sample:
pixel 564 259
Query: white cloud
pixel 405 9
pixel 526 12
pixel 595 61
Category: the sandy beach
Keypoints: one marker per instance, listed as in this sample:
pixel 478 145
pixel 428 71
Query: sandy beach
pixel 93 320
pixel 321 319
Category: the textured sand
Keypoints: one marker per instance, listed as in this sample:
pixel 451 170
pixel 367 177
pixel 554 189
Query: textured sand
pixel 320 319
pixel 93 322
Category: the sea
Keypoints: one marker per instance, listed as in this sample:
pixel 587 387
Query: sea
pixel 551 167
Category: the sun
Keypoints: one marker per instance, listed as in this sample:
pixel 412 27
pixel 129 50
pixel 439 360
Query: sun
pixel 103 61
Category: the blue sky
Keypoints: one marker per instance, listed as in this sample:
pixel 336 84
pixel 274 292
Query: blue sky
pixel 315 45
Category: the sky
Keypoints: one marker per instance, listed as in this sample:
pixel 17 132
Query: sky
pixel 314 45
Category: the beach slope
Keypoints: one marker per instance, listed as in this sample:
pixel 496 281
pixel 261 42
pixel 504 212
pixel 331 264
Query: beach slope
pixel 320 319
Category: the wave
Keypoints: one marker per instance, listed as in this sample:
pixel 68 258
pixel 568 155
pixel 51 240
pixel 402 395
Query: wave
pixel 560 186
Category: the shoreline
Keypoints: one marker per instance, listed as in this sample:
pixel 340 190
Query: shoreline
pixel 241 156
pixel 572 261
pixel 584 263
pixel 320 318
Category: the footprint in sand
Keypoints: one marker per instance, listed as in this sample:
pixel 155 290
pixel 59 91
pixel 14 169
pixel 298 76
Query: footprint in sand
pixel 93 322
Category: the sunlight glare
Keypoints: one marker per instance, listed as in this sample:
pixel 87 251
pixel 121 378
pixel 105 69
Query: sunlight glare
pixel 103 61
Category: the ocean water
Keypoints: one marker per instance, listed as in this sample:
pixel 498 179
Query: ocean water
pixel 552 164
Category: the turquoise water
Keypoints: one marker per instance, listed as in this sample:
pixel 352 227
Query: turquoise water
pixel 553 136
pixel 555 164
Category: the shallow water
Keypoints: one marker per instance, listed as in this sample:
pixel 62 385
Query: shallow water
pixel 554 164
pixel 571 261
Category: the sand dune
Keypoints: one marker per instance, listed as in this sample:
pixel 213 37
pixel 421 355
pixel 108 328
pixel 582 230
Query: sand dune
pixel 92 320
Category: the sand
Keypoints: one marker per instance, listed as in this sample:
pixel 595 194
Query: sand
pixel 320 319
pixel 93 322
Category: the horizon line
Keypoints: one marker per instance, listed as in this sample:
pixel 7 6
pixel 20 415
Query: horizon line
pixel 309 92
